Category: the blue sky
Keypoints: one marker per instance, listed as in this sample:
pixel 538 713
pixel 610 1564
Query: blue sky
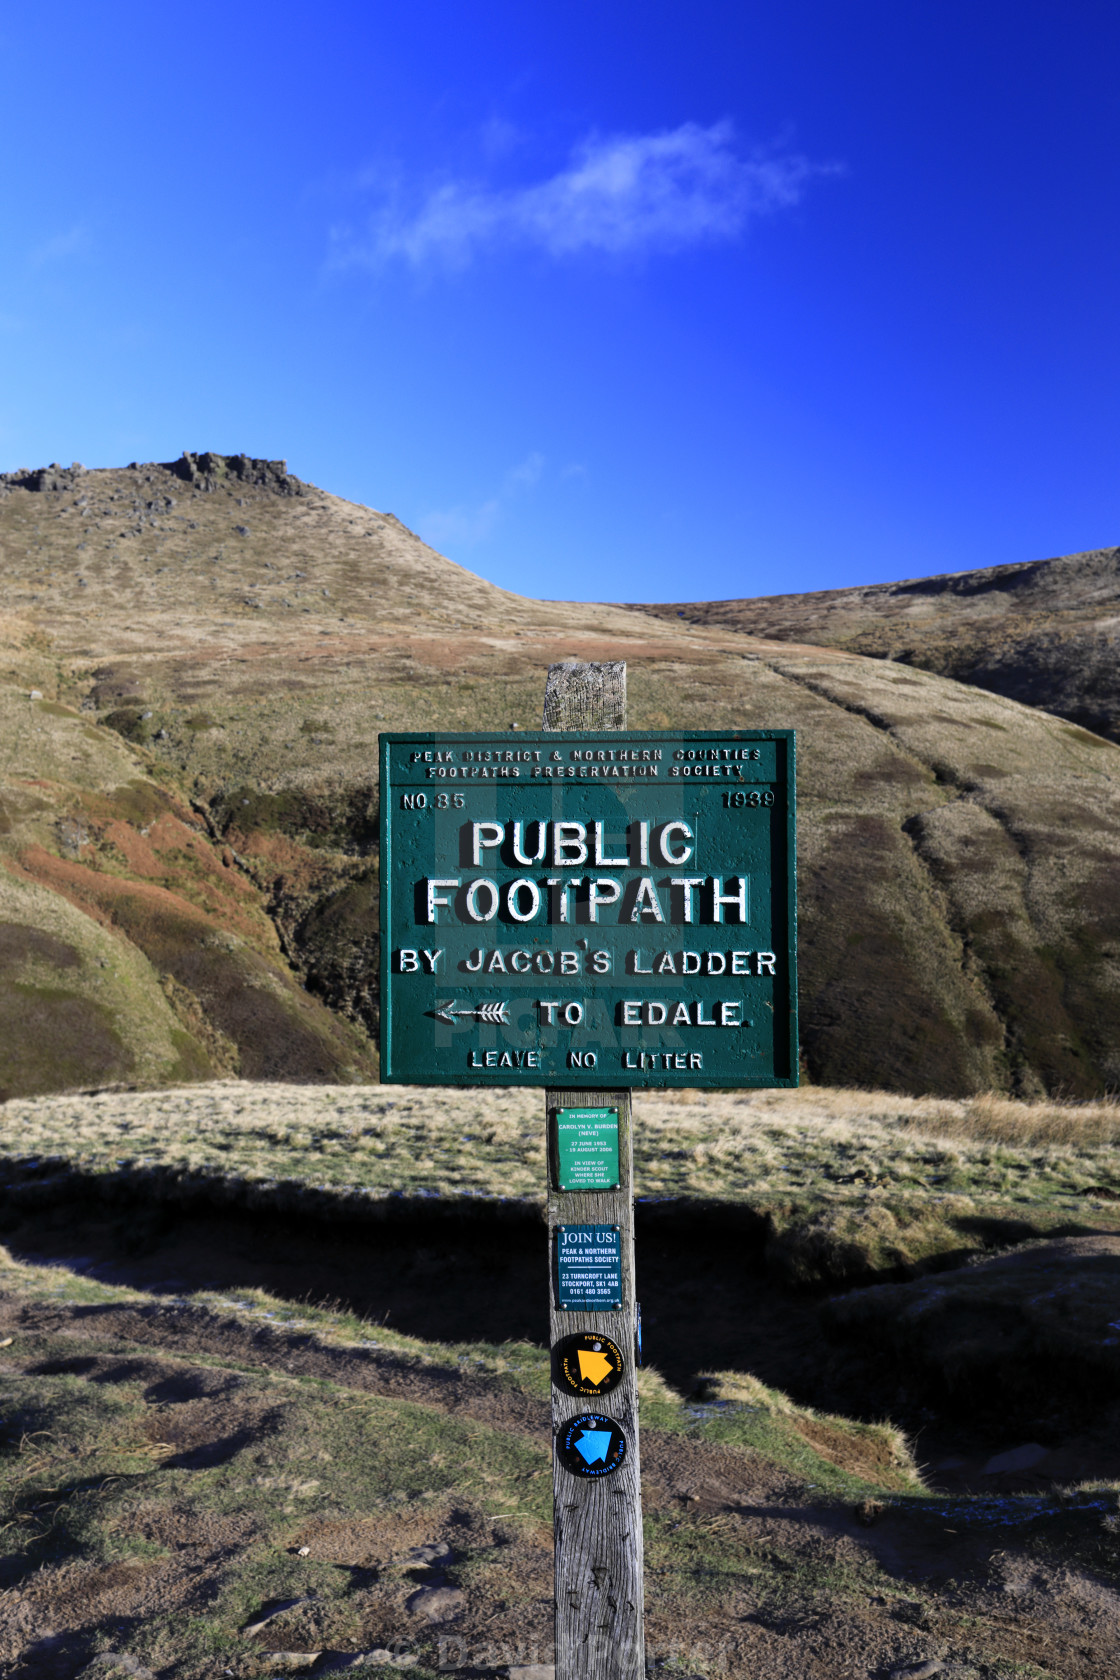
pixel 627 302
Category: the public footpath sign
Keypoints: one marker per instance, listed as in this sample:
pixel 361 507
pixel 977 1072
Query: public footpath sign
pixel 589 910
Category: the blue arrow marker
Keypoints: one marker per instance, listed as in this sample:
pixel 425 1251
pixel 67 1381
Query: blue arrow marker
pixel 593 1444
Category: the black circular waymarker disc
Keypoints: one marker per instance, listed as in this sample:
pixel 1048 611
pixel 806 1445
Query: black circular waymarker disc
pixel 590 1445
pixel 587 1364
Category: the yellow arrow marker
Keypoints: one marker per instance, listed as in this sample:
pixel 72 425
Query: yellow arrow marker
pixel 594 1367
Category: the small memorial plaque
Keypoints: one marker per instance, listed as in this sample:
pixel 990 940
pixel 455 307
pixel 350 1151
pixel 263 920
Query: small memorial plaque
pixel 590 1445
pixel 586 1141
pixel 588 1268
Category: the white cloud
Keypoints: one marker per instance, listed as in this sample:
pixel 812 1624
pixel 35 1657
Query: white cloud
pixel 460 526
pixel 75 242
pixel 467 525
pixel 620 194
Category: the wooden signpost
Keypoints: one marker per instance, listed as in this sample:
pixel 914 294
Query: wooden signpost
pixel 597 1520
pixel 589 909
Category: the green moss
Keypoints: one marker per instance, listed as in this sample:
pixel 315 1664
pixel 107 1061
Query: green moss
pixel 52 1039
pixel 345 821
pixel 21 943
pixel 1083 737
pixel 129 723
pixel 191 1061
pixel 280 1032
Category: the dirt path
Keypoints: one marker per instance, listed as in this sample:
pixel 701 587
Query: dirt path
pixel 749 1573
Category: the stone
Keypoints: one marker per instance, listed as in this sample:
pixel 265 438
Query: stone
pixel 438 1604
pixel 251 1629
pixel 117 1662
pixel 919 1670
pixel 438 1552
pixel 346 1661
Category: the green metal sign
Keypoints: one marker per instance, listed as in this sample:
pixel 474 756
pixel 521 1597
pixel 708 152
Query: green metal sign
pixel 586 1145
pixel 589 909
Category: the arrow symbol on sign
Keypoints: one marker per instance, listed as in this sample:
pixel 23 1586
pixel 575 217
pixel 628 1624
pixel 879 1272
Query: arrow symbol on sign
pixel 592 1445
pixel 495 1012
pixel 593 1367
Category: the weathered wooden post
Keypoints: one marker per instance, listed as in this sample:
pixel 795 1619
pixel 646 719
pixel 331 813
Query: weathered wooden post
pixel 584 909
pixel 600 1633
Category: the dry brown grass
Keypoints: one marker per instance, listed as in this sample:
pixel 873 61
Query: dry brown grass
pixel 840 1145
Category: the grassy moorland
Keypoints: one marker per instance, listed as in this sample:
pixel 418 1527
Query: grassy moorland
pixel 850 1182
pixel 230 1485
pixel 195 662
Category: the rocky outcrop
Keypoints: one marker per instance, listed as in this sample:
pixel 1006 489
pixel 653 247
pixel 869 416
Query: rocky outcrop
pixel 207 471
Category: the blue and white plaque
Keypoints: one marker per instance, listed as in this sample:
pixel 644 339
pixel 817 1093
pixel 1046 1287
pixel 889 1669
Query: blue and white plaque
pixel 588 1268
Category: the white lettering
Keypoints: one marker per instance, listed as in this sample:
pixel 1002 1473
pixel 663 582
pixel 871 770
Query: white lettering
pixel 523 884
pixel 739 899
pixel 486 834
pixel 681 1012
pixel 687 882
pixel 548 1013
pixel 497 963
pixel 520 967
pixel 408 962
pixel 542 841
pixel 434 900
pixel 558 881
pixel 569 844
pixel 647 902
pixel 473 911
pixel 602 862
pixel 573 1014
pixel 431 958
pixel 666 834
pixel 765 961
pixel 602 891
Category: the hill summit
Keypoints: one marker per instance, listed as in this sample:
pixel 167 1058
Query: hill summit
pixel 196 658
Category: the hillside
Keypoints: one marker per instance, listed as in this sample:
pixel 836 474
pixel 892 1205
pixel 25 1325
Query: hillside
pixel 188 817
pixel 1046 632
